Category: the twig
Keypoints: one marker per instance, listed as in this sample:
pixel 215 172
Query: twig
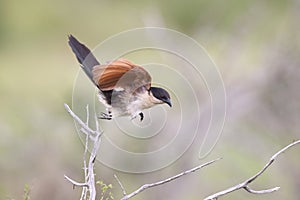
pixel 95 137
pixel 85 169
pixel 248 189
pixel 120 184
pixel 80 122
pixel 75 183
pixel 150 185
pixel 245 185
pixel 91 174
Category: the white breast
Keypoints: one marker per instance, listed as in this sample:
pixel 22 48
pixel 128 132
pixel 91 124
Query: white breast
pixel 142 101
pixel 125 103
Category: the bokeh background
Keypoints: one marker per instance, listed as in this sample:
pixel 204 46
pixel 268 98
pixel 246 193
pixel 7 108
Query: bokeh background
pixel 255 44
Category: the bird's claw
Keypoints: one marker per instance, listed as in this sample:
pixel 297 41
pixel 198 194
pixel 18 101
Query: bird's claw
pixel 105 116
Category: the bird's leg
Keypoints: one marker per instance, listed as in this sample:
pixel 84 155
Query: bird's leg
pixel 108 110
pixel 141 115
pixel 133 117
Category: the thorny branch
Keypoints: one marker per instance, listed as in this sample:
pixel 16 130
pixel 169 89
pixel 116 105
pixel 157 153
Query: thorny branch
pixel 245 185
pixel 89 189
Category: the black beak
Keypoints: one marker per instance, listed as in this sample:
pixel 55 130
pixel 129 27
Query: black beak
pixel 168 101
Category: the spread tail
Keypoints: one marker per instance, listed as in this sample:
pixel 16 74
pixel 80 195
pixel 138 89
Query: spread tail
pixel 83 55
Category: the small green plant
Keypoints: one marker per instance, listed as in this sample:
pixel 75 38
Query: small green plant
pixel 106 193
pixel 26 192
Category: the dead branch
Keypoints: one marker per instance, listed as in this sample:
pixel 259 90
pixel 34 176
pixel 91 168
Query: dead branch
pixel 89 189
pixel 121 185
pixel 245 185
pixel 150 185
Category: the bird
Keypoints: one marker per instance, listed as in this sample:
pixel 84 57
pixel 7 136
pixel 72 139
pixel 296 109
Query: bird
pixel 124 88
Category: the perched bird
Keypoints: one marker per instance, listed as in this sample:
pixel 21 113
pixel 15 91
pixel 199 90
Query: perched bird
pixel 124 88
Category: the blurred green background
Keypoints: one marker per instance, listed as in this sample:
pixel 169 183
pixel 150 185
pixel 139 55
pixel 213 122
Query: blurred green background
pixel 255 44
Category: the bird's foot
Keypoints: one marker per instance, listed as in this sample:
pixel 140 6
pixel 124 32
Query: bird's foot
pixel 141 115
pixel 105 116
pixel 135 116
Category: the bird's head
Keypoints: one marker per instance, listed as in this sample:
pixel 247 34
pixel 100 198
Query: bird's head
pixel 160 95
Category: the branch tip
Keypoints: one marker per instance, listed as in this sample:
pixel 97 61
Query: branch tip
pixel 245 184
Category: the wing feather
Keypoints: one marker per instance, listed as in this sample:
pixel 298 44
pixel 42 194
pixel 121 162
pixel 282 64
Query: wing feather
pixel 122 74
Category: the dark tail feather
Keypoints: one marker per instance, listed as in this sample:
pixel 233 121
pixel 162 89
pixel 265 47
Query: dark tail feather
pixel 83 55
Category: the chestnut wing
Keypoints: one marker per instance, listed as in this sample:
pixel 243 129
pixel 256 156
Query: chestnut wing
pixel 121 75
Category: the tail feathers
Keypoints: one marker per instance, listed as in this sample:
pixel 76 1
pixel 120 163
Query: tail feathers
pixel 83 55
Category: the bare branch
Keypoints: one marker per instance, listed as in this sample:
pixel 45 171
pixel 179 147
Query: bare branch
pixel 85 169
pixel 120 184
pixel 89 175
pixel 89 189
pixel 248 189
pixel 150 185
pixel 244 185
pixel 80 122
pixel 75 183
